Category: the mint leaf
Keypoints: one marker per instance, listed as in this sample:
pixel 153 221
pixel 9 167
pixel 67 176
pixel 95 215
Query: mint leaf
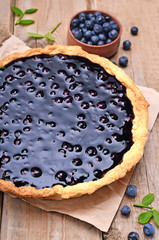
pixel 148 199
pixel 31 10
pixel 145 217
pixel 156 217
pixel 55 27
pixel 35 35
pixel 143 206
pixel 26 22
pixel 48 35
pixel 17 11
pixel 138 205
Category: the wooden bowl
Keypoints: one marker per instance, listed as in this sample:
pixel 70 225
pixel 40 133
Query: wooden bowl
pixel 106 50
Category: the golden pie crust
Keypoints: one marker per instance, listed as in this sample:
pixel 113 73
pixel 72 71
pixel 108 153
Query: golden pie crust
pixel 130 158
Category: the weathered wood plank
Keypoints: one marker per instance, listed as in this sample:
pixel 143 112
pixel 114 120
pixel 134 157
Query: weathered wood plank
pixel 5 20
pixel 49 14
pixel 143 53
pixel 21 220
pixel 143 56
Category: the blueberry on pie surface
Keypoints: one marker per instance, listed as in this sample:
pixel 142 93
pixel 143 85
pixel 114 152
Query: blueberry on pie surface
pixel 70 123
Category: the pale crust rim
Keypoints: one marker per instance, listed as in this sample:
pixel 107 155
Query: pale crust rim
pixel 130 158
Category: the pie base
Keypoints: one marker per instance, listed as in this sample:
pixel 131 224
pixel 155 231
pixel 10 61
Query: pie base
pixel 130 158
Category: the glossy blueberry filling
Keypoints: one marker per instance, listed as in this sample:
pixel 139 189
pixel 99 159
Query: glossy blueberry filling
pixel 63 120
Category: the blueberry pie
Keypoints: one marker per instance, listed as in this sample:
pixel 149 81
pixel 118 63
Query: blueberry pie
pixel 70 123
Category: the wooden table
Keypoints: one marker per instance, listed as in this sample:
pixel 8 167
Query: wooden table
pixel 20 220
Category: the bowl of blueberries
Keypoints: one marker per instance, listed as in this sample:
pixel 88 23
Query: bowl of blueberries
pixel 97 32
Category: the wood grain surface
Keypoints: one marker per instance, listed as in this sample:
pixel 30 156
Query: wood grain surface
pixel 19 220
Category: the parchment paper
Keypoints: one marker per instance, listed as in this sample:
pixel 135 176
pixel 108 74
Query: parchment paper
pixel 99 208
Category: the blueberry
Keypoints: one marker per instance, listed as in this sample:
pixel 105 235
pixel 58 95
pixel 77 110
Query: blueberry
pixel 113 34
pixel 97 28
pixel 81 25
pixel 78 34
pixel 74 30
pixel 75 22
pixel 126 45
pixel 149 229
pixel 87 34
pixel 101 42
pixel 89 24
pixel 83 40
pixel 108 41
pixel 123 61
pixel 131 190
pixel 95 39
pixel 134 30
pixel 115 26
pixel 100 19
pixel 102 36
pixel 93 33
pixel 82 17
pixel 90 15
pixel 133 236
pixel 112 22
pixel 93 19
pixel 97 13
pixel 90 43
pixel 125 210
pixel 84 30
pixel 107 27
pixel 107 18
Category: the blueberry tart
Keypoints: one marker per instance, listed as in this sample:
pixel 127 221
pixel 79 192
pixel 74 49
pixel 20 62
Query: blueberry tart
pixel 70 123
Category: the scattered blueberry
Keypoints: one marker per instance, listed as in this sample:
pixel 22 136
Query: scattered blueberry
pixel 149 229
pixel 131 190
pixel 126 45
pixel 113 34
pixel 125 210
pixel 134 30
pixel 123 61
pixel 94 28
pixel 133 236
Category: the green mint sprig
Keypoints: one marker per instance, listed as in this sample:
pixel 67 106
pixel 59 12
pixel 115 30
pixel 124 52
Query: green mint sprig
pixel 145 217
pixel 20 13
pixel 47 35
